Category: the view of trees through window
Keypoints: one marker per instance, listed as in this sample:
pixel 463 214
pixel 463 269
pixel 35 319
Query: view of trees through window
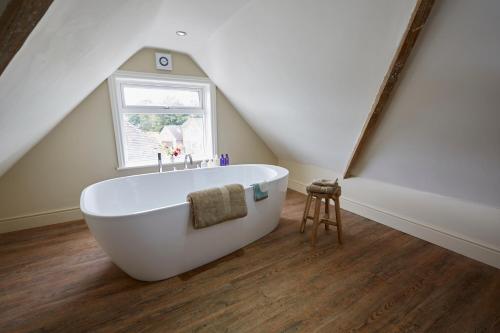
pixel 156 122
pixel 148 134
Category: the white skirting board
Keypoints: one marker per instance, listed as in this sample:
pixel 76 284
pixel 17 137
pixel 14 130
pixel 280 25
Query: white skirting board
pixel 40 219
pixel 457 243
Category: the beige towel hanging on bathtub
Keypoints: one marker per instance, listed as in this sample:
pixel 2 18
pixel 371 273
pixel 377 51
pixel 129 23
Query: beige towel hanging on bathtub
pixel 216 205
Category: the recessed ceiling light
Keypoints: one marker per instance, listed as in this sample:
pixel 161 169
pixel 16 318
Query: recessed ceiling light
pixel 181 33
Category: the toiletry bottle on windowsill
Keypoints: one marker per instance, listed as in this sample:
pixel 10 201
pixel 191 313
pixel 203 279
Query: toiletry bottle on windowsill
pixel 222 160
pixel 226 160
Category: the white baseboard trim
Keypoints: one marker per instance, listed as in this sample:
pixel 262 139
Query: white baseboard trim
pixel 448 240
pixel 40 219
pixel 296 186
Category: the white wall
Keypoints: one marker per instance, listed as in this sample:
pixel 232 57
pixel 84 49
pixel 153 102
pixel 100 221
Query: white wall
pixel 45 185
pixel 432 169
pixel 305 74
pixel 441 133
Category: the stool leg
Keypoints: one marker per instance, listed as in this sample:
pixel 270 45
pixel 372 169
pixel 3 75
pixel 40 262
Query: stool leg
pixel 317 208
pixel 327 212
pixel 306 212
pixel 337 218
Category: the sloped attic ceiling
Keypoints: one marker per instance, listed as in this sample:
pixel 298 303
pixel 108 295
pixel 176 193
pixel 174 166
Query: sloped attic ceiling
pixel 317 65
pixel 77 45
pixel 305 74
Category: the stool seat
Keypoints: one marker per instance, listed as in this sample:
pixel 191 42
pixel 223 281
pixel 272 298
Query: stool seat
pixel 326 182
pixel 319 194
pixel 321 189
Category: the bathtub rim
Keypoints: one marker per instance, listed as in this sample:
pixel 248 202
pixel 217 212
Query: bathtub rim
pixel 280 174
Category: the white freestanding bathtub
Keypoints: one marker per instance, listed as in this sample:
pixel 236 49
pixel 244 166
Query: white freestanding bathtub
pixel 142 222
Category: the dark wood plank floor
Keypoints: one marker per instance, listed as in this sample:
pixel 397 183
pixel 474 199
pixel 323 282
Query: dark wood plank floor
pixel 57 279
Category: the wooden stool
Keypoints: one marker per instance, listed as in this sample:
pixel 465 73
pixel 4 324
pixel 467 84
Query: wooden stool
pixel 318 197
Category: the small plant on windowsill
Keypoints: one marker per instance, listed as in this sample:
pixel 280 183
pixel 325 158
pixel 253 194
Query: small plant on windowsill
pixel 172 152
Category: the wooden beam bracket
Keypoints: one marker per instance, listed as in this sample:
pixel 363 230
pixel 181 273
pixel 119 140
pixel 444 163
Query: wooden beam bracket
pixel 415 25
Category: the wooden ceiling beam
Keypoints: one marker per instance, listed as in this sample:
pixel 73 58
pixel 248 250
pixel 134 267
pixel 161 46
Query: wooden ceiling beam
pixel 16 23
pixel 416 23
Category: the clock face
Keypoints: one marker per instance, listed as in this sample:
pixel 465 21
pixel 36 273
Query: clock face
pixel 163 61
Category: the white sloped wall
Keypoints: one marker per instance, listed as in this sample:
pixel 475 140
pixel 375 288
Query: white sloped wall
pixel 305 74
pixel 432 169
pixel 441 133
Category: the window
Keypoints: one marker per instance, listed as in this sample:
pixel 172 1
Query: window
pixel 161 113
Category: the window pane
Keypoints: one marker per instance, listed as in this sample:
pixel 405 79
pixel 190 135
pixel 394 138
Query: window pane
pixel 148 134
pixel 161 97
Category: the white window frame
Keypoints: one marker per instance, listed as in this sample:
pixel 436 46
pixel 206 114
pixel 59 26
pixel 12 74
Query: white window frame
pixel 119 79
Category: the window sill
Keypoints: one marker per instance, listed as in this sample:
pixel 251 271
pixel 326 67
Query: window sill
pixel 155 166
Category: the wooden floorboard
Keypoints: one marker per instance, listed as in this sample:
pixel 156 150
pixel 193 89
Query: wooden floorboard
pixel 57 279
